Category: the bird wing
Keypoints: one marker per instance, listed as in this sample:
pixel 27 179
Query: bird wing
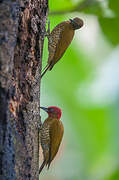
pixel 53 40
pixel 56 132
pixel 58 41
pixel 64 40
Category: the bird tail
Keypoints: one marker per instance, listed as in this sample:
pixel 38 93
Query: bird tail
pixel 45 70
pixel 49 165
pixel 42 166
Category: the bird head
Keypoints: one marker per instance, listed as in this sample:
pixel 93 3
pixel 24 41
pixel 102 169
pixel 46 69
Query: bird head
pixel 53 111
pixel 77 23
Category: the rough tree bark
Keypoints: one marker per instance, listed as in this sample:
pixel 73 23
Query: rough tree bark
pixel 22 28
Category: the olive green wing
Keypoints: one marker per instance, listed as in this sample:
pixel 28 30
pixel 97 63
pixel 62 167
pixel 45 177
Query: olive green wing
pixel 53 40
pixel 56 132
pixel 61 37
pixel 65 39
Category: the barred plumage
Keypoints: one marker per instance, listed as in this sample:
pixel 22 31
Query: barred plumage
pixel 51 135
pixel 59 40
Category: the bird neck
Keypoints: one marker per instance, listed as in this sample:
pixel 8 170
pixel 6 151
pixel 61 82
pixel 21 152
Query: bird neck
pixel 57 116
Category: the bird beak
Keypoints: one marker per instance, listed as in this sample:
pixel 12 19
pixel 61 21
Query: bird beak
pixel 45 109
pixel 75 25
pixel 71 20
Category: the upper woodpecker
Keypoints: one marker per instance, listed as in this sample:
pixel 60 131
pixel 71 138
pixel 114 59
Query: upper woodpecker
pixel 51 135
pixel 59 40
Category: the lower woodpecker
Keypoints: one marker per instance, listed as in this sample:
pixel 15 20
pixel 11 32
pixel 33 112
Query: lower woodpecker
pixel 51 135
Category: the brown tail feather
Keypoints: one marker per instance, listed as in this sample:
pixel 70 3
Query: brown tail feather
pixel 49 165
pixel 42 166
pixel 45 70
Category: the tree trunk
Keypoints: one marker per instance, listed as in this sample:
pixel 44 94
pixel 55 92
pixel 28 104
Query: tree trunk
pixel 22 29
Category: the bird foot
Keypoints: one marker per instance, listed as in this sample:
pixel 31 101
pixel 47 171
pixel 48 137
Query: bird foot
pixel 47 33
pixel 40 126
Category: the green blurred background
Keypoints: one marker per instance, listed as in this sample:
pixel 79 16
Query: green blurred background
pixel 85 85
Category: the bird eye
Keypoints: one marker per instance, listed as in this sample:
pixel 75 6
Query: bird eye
pixel 51 109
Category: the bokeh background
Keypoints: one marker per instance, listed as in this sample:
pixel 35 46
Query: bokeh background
pixel 85 85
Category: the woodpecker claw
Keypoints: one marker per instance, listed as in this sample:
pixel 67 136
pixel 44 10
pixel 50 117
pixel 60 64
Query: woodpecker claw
pixel 40 126
pixel 47 33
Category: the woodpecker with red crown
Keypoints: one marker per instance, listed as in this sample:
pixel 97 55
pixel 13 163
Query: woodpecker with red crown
pixel 51 135
pixel 59 40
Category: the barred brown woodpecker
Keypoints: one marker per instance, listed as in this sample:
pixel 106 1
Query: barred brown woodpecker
pixel 59 40
pixel 51 135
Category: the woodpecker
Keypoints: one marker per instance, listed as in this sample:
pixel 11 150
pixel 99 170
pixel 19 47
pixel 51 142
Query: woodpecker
pixel 51 135
pixel 59 40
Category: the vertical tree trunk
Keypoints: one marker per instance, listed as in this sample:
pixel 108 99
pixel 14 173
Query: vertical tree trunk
pixel 22 27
